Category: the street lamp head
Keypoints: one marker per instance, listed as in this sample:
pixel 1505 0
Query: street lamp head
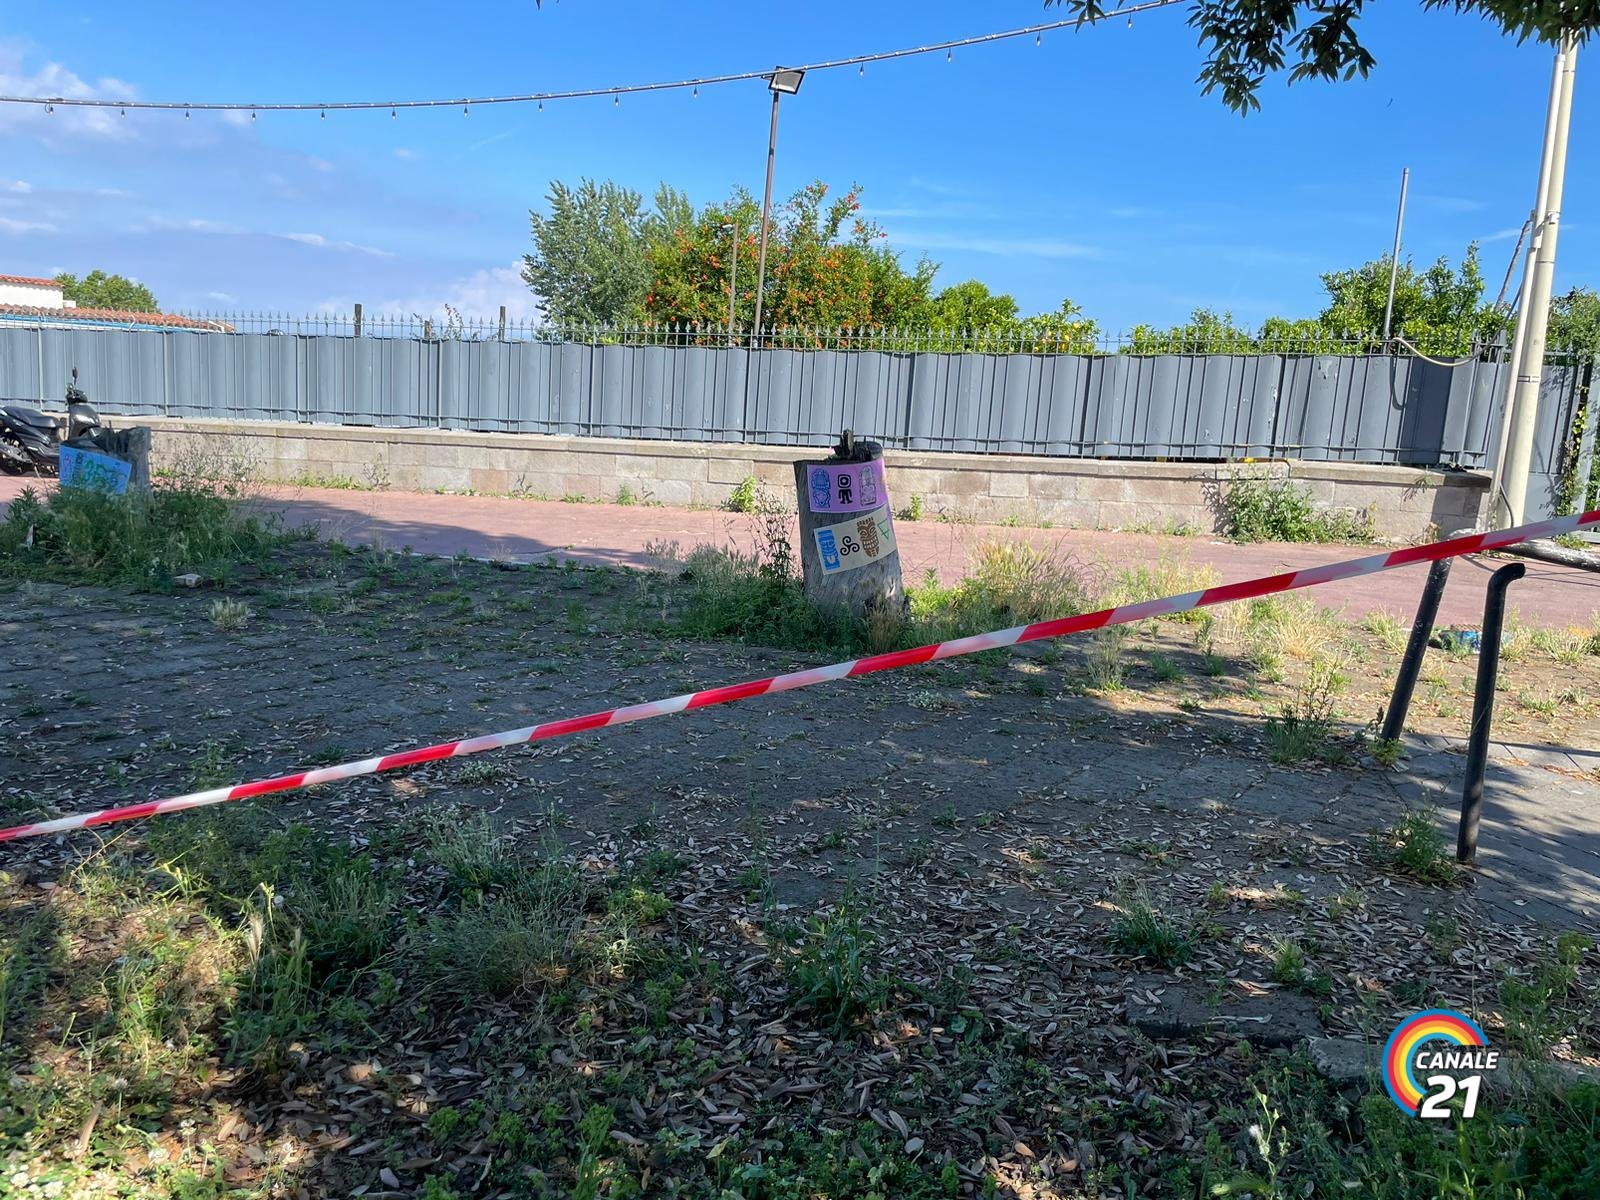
pixel 785 81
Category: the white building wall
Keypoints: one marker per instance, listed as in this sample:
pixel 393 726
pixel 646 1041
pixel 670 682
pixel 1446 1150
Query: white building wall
pixel 36 294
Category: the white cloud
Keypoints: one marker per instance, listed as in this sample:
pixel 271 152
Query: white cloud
pixel 158 223
pixel 21 186
pixel 406 153
pixel 54 80
pixel 322 243
pixel 11 225
pixel 221 297
pixel 319 164
pixel 1501 235
pixel 477 297
pixel 239 120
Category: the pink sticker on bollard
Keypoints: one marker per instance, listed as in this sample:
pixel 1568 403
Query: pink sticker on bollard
pixel 847 487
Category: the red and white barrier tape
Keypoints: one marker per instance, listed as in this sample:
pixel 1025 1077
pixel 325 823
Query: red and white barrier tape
pixel 1246 590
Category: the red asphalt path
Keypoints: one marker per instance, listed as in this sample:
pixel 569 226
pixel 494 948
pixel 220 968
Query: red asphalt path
pixel 616 535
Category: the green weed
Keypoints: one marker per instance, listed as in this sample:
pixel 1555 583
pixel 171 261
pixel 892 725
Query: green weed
pixel 832 975
pixel 1141 932
pixel 743 499
pixel 1415 847
pixel 1260 509
pixel 83 535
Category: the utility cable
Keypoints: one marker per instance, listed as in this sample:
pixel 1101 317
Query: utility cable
pixel 49 103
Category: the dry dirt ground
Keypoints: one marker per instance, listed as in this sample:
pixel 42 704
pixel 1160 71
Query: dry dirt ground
pixel 965 852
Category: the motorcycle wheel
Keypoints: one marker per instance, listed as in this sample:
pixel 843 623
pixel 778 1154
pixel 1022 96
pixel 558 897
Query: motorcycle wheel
pixel 14 460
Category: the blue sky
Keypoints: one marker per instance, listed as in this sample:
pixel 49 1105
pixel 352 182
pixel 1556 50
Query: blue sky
pixel 1089 167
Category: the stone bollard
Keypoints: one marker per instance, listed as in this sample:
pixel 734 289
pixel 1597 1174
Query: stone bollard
pixel 847 546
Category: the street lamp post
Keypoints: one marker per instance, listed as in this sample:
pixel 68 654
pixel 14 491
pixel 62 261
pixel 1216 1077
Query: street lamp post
pixel 733 276
pixel 781 83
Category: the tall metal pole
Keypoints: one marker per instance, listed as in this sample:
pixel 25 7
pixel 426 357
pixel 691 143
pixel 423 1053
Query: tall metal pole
pixel 1530 372
pixel 766 209
pixel 1394 255
pixel 1500 514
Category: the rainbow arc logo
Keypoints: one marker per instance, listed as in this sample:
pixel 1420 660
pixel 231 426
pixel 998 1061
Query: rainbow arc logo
pixel 1425 1045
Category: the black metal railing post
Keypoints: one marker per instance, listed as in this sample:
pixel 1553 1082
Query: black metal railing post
pixel 1494 612
pixel 1405 683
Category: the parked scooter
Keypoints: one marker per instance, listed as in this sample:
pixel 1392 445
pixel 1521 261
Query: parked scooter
pixel 30 440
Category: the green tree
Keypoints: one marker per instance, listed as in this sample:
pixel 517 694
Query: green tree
pixel 1440 310
pixel 589 262
pixel 826 267
pixel 1065 331
pixel 1575 322
pixel 971 305
pixel 99 290
pixel 1247 40
pixel 1205 332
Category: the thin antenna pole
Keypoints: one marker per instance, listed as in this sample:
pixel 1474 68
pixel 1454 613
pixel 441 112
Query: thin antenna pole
pixel 1394 255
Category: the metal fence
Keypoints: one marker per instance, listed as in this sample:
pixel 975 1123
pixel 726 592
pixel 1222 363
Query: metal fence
pixel 1038 335
pixel 1312 403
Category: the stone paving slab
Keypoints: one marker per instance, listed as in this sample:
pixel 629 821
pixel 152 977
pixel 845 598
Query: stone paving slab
pixel 1539 841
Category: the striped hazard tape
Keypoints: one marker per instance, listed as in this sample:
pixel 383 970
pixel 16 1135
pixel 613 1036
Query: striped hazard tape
pixel 1248 589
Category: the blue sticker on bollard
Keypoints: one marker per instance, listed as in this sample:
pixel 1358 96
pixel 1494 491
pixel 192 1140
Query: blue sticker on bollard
pixel 830 550
pixel 86 469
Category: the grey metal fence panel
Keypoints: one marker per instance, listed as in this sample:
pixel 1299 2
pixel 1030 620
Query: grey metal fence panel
pixel 20 378
pixel 569 412
pixel 1013 404
pixel 1110 381
pixel 1587 476
pixel 1320 406
pixel 1558 403
pixel 875 388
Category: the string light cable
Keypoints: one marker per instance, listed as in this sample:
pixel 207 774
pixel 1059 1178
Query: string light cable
pixel 1037 32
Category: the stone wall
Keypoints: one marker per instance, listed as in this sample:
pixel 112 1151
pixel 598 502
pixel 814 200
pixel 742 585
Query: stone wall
pixel 1408 504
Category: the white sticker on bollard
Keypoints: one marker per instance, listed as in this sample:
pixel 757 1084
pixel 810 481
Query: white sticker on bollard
pixel 855 543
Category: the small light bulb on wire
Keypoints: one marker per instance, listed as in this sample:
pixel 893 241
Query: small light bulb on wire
pixel 616 100
pixel 252 115
pixel 862 70
pixel 541 106
pixel 391 114
pixel 49 108
pixel 949 56
pixel 465 108
pixel 697 91
pixel 1038 39
pixel 186 114
pixel 324 114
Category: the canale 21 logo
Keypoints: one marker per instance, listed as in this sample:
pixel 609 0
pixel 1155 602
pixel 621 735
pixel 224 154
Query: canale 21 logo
pixel 1432 1057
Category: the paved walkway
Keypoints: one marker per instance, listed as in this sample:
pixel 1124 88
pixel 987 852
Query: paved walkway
pixel 530 530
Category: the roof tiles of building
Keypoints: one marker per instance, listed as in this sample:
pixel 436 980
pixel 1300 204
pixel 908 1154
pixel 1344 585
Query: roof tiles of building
pixel 107 316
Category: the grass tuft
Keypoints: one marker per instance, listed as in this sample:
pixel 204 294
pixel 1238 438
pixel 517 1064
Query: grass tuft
pixel 141 542
pixel 1142 932
pixel 1415 847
